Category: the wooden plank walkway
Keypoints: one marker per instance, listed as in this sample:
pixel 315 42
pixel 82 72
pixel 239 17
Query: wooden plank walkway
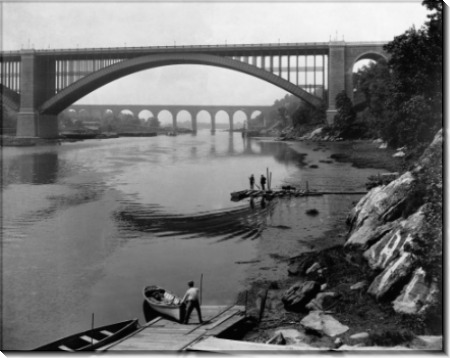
pixel 163 334
pixel 213 345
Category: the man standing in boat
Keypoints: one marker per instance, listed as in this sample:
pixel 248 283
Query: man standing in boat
pixel 191 298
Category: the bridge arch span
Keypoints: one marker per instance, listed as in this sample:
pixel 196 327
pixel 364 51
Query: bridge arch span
pixel 106 75
pixel 370 55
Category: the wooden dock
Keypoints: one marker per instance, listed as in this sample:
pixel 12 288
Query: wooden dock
pixel 270 194
pixel 163 334
pixel 217 345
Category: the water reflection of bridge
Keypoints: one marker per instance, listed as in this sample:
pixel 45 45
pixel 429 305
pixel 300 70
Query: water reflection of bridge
pixel 102 112
pixel 248 147
pixel 44 168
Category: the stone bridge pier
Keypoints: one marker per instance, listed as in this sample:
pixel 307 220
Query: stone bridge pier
pixel 34 72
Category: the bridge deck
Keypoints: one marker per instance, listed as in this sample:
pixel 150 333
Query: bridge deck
pixel 164 335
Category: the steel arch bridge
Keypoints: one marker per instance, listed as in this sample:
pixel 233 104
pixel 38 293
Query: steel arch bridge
pixel 42 83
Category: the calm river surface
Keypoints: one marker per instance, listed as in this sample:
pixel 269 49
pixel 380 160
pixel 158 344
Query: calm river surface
pixel 87 224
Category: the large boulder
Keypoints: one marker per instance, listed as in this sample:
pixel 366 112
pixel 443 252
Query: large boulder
pixel 417 296
pixel 381 205
pixel 298 295
pixel 322 323
pixel 391 280
pixel 395 241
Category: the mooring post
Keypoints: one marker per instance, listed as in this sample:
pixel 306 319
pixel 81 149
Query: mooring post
pixel 92 329
pixel 201 286
pixel 245 307
pixel 263 305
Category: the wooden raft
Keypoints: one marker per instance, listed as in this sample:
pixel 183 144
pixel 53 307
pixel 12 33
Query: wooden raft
pixel 270 194
pixel 163 334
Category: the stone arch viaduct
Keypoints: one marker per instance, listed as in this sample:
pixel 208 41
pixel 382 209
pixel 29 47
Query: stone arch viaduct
pixel 102 111
pixel 42 83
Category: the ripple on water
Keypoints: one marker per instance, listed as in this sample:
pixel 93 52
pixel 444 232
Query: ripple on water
pixel 225 224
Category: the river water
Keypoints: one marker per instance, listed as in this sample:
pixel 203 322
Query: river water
pixel 87 225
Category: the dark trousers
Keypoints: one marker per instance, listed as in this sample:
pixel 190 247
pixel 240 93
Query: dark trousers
pixel 190 305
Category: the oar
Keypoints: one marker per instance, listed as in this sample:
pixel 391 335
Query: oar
pixel 92 330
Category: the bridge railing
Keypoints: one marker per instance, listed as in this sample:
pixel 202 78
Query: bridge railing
pixel 215 46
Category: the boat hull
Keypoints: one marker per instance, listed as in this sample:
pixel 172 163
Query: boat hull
pixel 168 311
pixel 92 339
pixel 169 305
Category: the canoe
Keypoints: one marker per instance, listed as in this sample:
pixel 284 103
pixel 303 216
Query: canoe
pixel 164 302
pixel 92 339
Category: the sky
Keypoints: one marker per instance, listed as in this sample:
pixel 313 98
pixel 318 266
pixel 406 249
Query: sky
pixel 43 25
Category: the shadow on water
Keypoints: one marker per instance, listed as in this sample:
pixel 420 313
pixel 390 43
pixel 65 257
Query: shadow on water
pixel 36 168
pixel 245 222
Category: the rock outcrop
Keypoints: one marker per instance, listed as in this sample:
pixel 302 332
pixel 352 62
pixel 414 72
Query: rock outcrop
pixel 417 296
pixel 370 218
pixel 385 226
pixel 394 242
pixel 298 295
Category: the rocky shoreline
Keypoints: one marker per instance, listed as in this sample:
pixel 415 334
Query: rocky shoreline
pixel 369 293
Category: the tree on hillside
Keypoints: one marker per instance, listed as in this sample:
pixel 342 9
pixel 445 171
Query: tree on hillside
pixel 283 115
pixel 307 114
pixel 154 122
pixel 415 100
pixel 373 82
pixel 345 116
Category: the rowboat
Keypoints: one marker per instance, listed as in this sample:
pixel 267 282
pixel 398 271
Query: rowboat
pixel 92 339
pixel 164 302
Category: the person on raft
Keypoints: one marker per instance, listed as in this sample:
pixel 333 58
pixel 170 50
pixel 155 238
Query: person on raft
pixel 252 181
pixel 263 182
